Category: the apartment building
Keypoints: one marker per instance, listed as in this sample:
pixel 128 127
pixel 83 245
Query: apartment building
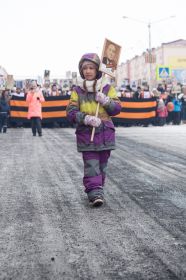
pixel 143 69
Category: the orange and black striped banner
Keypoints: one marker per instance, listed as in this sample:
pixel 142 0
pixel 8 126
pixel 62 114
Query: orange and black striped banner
pixel 54 109
pixel 135 110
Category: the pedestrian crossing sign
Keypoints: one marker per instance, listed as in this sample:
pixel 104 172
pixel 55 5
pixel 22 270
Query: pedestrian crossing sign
pixel 163 72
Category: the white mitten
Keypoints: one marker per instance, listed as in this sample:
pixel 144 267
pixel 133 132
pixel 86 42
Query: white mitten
pixel 92 121
pixel 102 98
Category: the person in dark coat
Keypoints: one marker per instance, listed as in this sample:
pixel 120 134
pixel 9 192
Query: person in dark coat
pixel 4 112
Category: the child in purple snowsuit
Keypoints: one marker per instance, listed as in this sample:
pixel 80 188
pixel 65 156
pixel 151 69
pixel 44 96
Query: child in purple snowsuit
pixel 81 111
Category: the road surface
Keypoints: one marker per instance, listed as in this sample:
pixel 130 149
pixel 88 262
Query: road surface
pixel 48 229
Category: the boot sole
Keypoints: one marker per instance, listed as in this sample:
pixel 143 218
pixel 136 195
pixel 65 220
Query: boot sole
pixel 98 202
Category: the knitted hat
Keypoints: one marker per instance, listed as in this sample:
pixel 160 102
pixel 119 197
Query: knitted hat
pixel 93 57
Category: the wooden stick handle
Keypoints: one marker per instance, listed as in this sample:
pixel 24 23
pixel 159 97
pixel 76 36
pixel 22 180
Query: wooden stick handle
pixel 97 110
pixel 93 129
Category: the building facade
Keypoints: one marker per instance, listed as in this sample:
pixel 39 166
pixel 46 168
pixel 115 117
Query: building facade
pixel 143 70
pixel 3 77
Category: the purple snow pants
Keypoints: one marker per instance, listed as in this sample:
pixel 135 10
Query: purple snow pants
pixel 95 164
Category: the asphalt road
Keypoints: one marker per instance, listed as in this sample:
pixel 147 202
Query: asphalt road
pixel 48 229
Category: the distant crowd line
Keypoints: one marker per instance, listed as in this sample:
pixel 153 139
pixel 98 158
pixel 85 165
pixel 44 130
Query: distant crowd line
pixel 170 109
pixel 171 102
pixel 54 90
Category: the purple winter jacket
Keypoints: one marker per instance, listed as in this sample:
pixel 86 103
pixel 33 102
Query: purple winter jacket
pixel 83 103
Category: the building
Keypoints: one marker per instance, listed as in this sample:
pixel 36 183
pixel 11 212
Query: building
pixel 140 70
pixel 3 77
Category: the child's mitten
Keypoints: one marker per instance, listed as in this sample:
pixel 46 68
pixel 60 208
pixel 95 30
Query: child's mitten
pixel 102 98
pixel 92 121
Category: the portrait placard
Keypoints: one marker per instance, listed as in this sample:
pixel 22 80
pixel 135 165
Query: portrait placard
pixel 47 74
pixel 10 82
pixel 110 58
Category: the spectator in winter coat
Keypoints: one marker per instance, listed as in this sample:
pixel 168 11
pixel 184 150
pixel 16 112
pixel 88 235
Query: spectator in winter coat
pixel 54 90
pixel 177 110
pixel 137 93
pixel 35 99
pixel 146 93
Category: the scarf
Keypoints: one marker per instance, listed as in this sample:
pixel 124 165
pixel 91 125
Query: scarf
pixel 90 84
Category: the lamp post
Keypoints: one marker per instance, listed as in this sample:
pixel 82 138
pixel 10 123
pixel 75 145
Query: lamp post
pixel 149 23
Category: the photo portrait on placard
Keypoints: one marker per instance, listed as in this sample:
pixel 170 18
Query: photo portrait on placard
pixel 10 82
pixel 110 57
pixel 47 74
pixel 65 84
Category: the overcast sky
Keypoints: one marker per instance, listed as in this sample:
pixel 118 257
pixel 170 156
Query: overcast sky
pixel 53 34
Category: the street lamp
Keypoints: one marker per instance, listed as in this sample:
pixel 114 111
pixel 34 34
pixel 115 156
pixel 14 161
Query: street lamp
pixel 149 23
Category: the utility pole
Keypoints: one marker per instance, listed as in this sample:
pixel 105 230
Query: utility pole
pixel 150 60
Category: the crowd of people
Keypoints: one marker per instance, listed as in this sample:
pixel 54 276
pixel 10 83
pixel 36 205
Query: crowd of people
pixel 53 90
pixel 6 95
pixel 171 102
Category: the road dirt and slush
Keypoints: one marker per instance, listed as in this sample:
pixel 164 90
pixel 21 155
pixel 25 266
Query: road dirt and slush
pixel 48 229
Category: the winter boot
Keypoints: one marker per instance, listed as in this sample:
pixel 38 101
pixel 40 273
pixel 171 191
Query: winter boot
pixel 4 129
pixel 96 197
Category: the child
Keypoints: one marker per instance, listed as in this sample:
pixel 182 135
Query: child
pixel 162 113
pixel 81 110
pixel 34 99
